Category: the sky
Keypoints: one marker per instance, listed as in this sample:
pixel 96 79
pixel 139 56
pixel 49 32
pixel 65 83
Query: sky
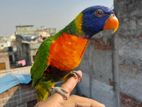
pixel 49 13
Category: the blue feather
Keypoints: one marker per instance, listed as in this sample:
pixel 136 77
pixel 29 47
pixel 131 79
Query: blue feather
pixel 93 24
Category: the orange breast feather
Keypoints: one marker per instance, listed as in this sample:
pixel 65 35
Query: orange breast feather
pixel 67 51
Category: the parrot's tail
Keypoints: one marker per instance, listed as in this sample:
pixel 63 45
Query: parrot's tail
pixel 43 90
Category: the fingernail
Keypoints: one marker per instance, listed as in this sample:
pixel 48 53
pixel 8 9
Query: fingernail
pixel 79 73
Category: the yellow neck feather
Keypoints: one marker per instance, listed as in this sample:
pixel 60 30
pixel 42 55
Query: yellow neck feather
pixel 78 23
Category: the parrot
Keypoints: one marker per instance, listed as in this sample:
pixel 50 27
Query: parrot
pixel 60 54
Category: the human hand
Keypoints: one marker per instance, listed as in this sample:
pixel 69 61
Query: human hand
pixel 57 100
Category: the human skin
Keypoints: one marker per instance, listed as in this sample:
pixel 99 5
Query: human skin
pixel 57 100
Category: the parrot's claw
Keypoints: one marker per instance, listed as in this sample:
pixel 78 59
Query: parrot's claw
pixel 75 75
pixel 60 91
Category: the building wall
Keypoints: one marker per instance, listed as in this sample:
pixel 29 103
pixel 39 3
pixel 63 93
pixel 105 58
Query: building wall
pixel 130 47
pixel 31 30
pixel 33 50
pixel 3 45
pixel 5 42
pixel 96 66
pixel 24 30
pixel 97 63
pixel 4 58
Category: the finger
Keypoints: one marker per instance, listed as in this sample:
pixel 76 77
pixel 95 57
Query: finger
pixel 67 86
pixel 88 105
pixel 77 101
pixel 92 103
pixel 72 82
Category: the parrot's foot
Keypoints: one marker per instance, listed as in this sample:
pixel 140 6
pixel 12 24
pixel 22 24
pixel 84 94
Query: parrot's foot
pixel 60 91
pixel 73 74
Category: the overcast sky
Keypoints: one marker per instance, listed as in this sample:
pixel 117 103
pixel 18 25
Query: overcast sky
pixel 50 13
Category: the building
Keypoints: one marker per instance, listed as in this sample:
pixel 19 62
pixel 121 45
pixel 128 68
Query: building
pixel 28 40
pixel 22 47
pixel 24 30
pixel 33 50
pixel 5 48
pixel 4 61
pixel 31 30
pixel 45 32
pixel 27 47
pixel 5 42
pixel 17 57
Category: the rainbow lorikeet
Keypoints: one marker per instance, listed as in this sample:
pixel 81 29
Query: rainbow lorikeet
pixel 61 53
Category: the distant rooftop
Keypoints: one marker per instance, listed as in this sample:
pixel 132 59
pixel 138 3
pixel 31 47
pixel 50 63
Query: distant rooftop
pixel 25 26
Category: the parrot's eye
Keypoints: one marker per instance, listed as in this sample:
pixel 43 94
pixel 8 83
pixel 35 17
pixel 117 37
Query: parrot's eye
pixel 99 13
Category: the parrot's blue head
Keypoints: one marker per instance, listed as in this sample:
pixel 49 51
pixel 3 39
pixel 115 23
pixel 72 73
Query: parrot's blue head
pixel 98 18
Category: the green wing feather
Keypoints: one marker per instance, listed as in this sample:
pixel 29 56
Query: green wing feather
pixel 41 85
pixel 40 63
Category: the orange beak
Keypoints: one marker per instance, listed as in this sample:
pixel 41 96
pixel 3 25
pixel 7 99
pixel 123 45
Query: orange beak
pixel 111 23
